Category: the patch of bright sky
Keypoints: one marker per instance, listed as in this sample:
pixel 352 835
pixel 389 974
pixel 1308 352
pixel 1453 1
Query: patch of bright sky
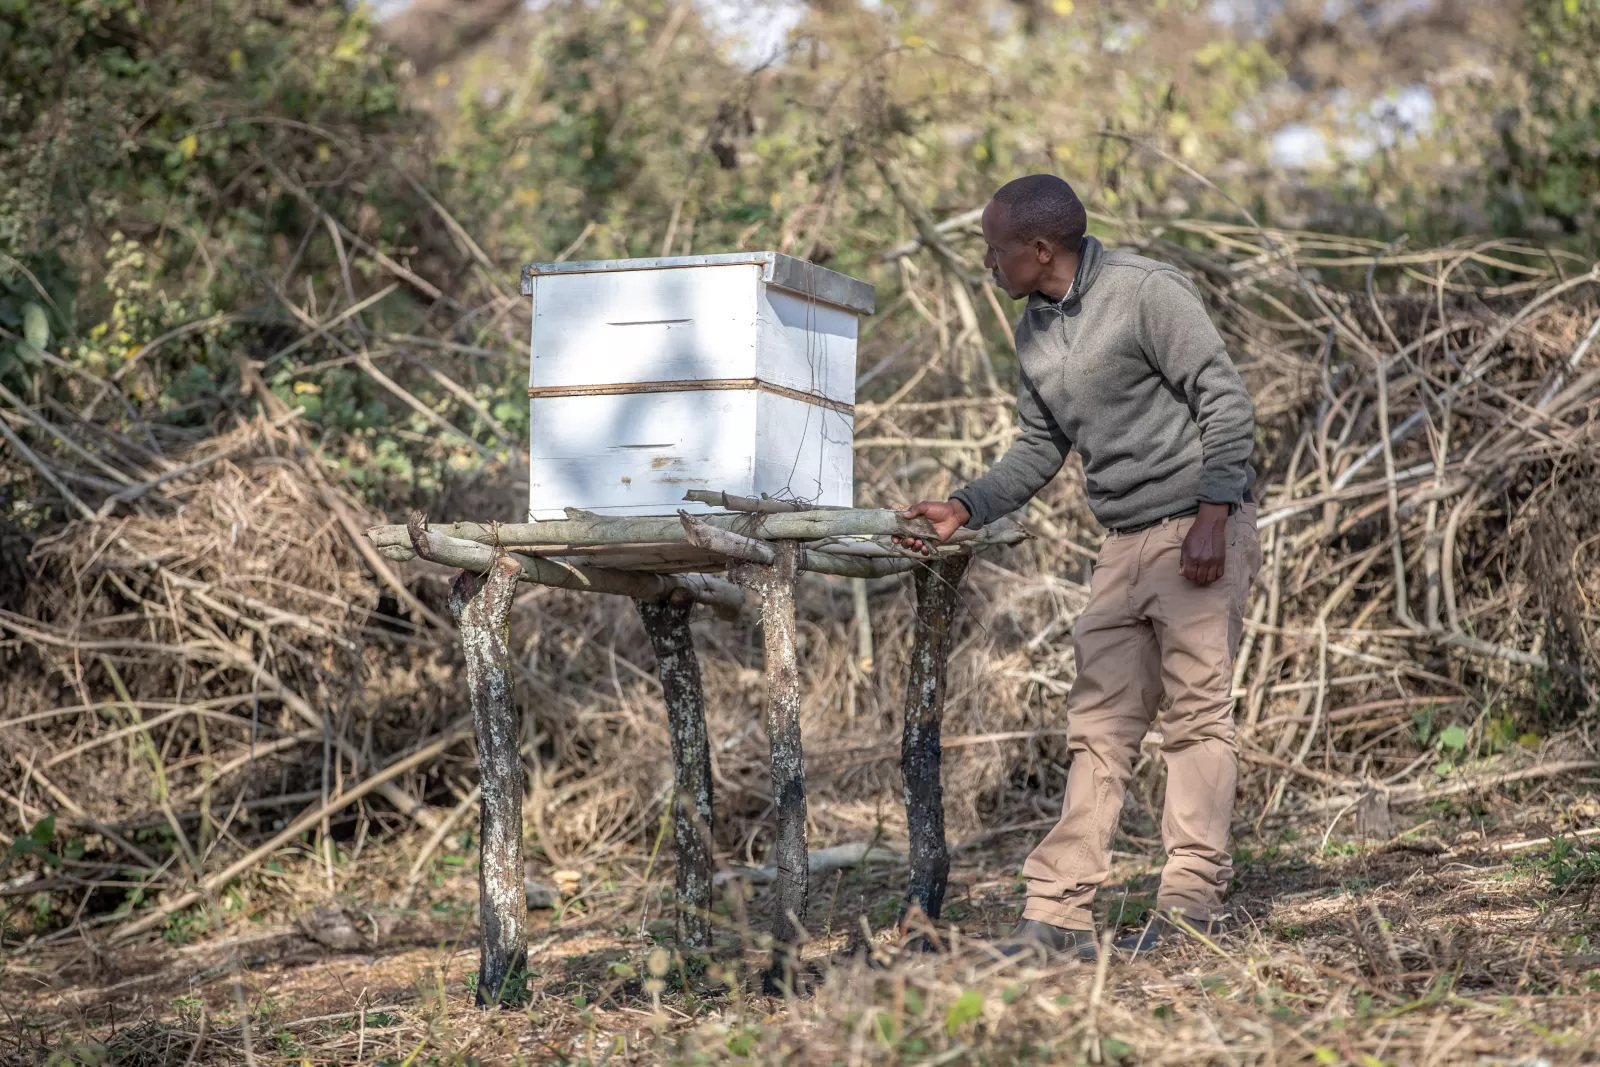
pixel 1396 117
pixel 756 30
pixel 1401 114
pixel 1244 14
pixel 1254 15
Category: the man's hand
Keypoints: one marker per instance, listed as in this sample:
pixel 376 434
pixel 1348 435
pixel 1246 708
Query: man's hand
pixel 1205 549
pixel 947 517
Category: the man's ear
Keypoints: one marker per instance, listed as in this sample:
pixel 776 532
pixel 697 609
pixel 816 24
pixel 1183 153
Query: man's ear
pixel 1043 250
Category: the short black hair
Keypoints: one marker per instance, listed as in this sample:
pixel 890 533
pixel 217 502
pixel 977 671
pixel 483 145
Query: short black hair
pixel 1042 205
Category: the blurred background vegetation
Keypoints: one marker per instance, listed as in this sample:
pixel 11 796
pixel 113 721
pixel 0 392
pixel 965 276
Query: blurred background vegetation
pixel 215 214
pixel 188 183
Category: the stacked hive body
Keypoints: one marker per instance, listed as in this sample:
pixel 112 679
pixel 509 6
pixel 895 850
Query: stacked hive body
pixel 652 377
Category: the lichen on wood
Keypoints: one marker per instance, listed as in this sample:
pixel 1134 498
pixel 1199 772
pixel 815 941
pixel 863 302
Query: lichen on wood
pixel 482 608
pixel 666 529
pixel 428 543
pixel 938 585
pixel 667 624
pixel 775 585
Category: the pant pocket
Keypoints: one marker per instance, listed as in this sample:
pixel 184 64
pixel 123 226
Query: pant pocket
pixel 1244 559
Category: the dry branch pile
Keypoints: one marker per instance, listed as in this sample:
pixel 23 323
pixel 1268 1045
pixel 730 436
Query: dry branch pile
pixel 203 668
pixel 1447 394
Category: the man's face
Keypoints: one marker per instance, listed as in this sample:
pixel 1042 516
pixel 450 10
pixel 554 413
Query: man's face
pixel 1017 264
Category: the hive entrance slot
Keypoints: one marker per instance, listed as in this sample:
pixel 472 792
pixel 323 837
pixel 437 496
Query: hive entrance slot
pixel 651 322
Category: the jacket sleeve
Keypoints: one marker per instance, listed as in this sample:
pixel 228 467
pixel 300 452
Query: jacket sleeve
pixel 1184 345
pixel 1027 467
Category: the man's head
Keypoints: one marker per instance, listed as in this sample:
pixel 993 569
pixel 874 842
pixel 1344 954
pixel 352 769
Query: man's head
pixel 1033 227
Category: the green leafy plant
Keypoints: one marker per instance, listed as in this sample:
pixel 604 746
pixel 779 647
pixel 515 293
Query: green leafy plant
pixel 1545 168
pixel 1132 910
pixel 79 1054
pixel 517 989
pixel 187 1005
pixel 743 1041
pixel 1422 723
pixel 1114 1050
pixel 1568 866
pixel 37 842
pixel 183 926
pixel 966 1008
pixel 1451 743
pixel 37 294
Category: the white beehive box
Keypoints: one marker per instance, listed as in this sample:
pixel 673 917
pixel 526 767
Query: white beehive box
pixel 651 377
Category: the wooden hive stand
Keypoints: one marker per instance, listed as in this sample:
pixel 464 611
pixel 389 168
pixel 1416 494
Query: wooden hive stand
pixel 668 564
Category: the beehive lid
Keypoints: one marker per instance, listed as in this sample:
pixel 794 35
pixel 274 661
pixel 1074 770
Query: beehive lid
pixel 778 270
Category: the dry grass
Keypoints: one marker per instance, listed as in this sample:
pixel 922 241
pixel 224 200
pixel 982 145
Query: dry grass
pixel 189 673
pixel 1441 949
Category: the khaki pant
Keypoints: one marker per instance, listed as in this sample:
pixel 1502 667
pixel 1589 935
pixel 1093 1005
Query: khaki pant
pixel 1152 646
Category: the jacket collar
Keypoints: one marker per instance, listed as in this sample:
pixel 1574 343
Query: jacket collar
pixel 1091 254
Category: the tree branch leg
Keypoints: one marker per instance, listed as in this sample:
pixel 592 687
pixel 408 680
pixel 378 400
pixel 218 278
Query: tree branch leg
pixel 775 583
pixel 667 623
pixel 482 608
pixel 938 585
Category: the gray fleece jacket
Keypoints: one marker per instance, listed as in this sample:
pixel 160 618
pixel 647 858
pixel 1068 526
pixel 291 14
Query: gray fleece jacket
pixel 1129 370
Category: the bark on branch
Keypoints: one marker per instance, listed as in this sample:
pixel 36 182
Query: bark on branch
pixel 738 547
pixel 482 610
pixel 735 546
pixel 430 544
pixel 927 230
pixel 591 530
pixel 760 505
pixel 938 586
pixel 667 624
pixel 775 585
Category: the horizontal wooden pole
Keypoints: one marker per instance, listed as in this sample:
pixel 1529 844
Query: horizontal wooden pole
pixel 723 596
pixel 587 530
pixel 641 585
pixel 471 545
pixel 1003 532
pixel 763 505
pixel 725 542
pixel 816 562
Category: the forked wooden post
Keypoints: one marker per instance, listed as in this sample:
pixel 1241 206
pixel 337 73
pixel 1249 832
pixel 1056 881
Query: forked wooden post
pixel 482 608
pixel 938 585
pixel 667 623
pixel 775 583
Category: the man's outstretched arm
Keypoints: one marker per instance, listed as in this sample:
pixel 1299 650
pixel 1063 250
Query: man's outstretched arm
pixel 1027 467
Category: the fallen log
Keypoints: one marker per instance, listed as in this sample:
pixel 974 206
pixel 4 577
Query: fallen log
pixel 821 861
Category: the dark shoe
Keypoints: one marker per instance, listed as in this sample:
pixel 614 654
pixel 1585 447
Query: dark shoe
pixel 1031 936
pixel 1160 928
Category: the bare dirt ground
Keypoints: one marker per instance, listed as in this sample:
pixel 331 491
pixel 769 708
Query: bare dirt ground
pixel 1467 939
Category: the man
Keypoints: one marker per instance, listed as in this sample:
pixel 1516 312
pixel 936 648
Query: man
pixel 1120 361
